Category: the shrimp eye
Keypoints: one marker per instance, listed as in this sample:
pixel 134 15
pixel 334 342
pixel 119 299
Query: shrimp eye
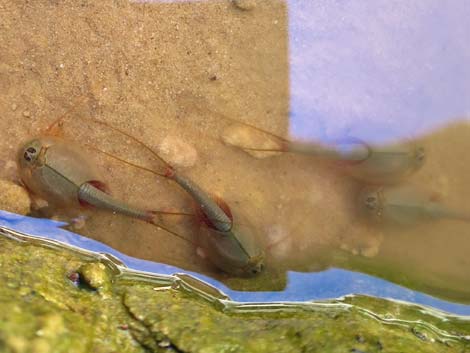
pixel 29 154
pixel 420 154
pixel 27 157
pixel 257 269
pixel 371 202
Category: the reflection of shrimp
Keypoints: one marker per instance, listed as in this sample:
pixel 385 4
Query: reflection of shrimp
pixel 227 238
pixel 404 205
pixel 375 164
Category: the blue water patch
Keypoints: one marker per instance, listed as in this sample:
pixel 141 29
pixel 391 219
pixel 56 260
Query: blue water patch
pixel 328 284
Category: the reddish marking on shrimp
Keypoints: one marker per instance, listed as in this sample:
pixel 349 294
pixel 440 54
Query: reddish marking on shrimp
pixel 169 173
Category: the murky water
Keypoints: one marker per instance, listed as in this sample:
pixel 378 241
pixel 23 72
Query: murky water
pixel 172 73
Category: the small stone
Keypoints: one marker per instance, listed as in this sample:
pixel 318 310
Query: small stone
pixel 280 242
pixel 40 203
pixel 94 274
pixel 177 152
pixel 27 114
pixel 79 222
pixel 200 252
pixel 14 107
pixel 371 250
pixel 244 5
pixel 14 198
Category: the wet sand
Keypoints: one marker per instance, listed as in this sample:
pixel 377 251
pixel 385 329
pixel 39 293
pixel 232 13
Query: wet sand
pixel 165 73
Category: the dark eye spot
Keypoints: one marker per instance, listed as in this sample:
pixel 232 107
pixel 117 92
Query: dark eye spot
pixel 31 150
pixel 27 157
pixel 371 202
pixel 257 269
pixel 420 154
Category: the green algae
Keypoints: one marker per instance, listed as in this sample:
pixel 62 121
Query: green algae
pixel 96 276
pixel 42 309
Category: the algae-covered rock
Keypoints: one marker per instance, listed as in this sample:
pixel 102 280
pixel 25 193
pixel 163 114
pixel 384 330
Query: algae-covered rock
pixel 193 326
pixel 95 275
pixel 42 309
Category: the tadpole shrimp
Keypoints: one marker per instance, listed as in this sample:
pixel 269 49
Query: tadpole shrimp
pixel 227 237
pixel 405 205
pixel 56 171
pixel 379 164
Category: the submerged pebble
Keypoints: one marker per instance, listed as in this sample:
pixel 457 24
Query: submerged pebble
pixel 362 240
pixel 245 138
pixel 177 152
pixel 14 198
pixel 245 5
pixel 280 242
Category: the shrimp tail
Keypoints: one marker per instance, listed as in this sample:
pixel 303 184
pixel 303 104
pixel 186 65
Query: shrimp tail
pixel 437 211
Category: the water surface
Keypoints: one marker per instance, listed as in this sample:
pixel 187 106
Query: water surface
pixel 312 71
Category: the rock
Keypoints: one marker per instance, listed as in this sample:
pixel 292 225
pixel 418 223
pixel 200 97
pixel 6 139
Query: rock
pixel 178 152
pixel 247 139
pixel 14 198
pixel 94 274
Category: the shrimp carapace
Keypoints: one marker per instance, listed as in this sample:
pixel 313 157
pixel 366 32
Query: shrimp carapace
pixel 59 173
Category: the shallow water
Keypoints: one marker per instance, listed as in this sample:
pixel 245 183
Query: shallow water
pixel 317 71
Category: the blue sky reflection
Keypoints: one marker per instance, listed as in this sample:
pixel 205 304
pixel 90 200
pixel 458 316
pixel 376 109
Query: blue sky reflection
pixel 377 70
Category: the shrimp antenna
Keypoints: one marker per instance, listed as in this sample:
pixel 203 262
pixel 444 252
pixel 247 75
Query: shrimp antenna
pixel 158 225
pixel 110 155
pixel 133 138
pixel 122 132
pixel 58 121
pixel 260 149
pixel 280 138
pixel 225 117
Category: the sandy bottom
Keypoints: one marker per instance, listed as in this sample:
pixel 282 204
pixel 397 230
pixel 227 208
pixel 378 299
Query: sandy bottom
pixel 168 73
